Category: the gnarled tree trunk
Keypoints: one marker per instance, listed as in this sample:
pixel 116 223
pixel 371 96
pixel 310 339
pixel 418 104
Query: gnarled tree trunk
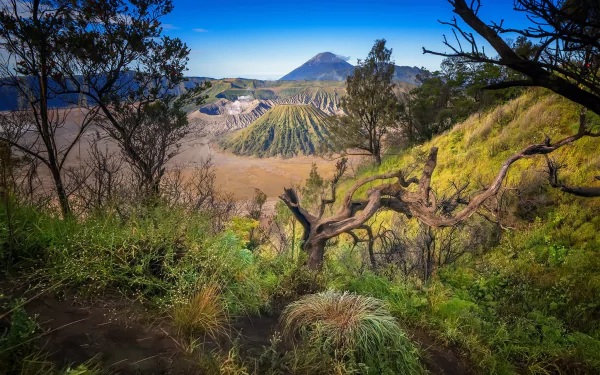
pixel 421 203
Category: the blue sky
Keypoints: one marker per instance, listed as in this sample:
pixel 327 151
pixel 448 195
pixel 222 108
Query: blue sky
pixel 267 39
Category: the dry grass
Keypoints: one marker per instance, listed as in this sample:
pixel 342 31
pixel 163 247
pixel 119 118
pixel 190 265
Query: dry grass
pixel 204 313
pixel 232 364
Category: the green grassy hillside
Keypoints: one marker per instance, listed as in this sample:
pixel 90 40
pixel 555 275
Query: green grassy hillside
pixel 523 298
pixel 527 302
pixel 285 130
pixel 475 149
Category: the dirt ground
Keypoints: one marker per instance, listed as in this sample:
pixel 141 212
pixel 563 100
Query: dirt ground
pixel 127 339
pixel 241 175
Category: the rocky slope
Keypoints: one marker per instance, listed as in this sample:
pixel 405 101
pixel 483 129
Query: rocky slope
pixel 325 99
pixel 223 115
pixel 234 104
pixel 286 130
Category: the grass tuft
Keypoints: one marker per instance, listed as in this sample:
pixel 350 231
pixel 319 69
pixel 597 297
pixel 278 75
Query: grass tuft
pixel 352 328
pixel 204 313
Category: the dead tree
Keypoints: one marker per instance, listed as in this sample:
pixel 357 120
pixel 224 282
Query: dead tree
pixel 421 203
pixel 369 240
pixel 197 191
pixel 101 179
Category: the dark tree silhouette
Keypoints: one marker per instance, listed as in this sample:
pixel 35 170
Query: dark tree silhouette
pixel 370 105
pixel 565 56
pixel 121 62
pixel 31 41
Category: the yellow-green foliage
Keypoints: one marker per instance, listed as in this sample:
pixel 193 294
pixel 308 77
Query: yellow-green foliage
pixel 529 304
pixel 242 227
pixel 475 149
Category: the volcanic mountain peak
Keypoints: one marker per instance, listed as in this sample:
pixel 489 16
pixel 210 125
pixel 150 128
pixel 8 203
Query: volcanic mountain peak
pixel 327 66
pixel 326 57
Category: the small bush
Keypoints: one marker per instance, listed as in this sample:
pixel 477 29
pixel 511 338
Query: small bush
pixel 159 256
pixel 298 281
pixel 16 335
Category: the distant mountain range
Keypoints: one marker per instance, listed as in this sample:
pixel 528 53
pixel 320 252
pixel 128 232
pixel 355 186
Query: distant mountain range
pixel 327 66
pixel 11 98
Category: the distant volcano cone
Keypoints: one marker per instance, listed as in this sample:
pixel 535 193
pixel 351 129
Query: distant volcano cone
pixel 325 66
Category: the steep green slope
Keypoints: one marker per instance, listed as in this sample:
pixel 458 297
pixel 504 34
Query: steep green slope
pixel 475 149
pixel 529 300
pixel 285 130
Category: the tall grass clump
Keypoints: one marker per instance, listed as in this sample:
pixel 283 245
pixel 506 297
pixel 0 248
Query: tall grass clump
pixel 203 313
pixel 350 330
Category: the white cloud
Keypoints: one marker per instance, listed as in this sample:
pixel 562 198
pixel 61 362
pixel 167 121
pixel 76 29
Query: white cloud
pixel 199 30
pixel 345 58
pixel 240 105
pixel 168 26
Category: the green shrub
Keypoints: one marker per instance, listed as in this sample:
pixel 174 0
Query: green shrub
pixel 16 341
pixel 160 255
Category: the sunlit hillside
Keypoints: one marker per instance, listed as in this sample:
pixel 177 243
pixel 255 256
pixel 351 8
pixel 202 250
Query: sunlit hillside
pixel 527 300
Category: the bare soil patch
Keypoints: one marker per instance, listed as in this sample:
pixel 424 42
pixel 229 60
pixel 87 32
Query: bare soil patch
pixel 113 332
pixel 240 175
pixel 439 359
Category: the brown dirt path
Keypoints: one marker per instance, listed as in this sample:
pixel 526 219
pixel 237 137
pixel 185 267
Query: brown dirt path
pixel 113 332
pixel 118 333
pixel 440 359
